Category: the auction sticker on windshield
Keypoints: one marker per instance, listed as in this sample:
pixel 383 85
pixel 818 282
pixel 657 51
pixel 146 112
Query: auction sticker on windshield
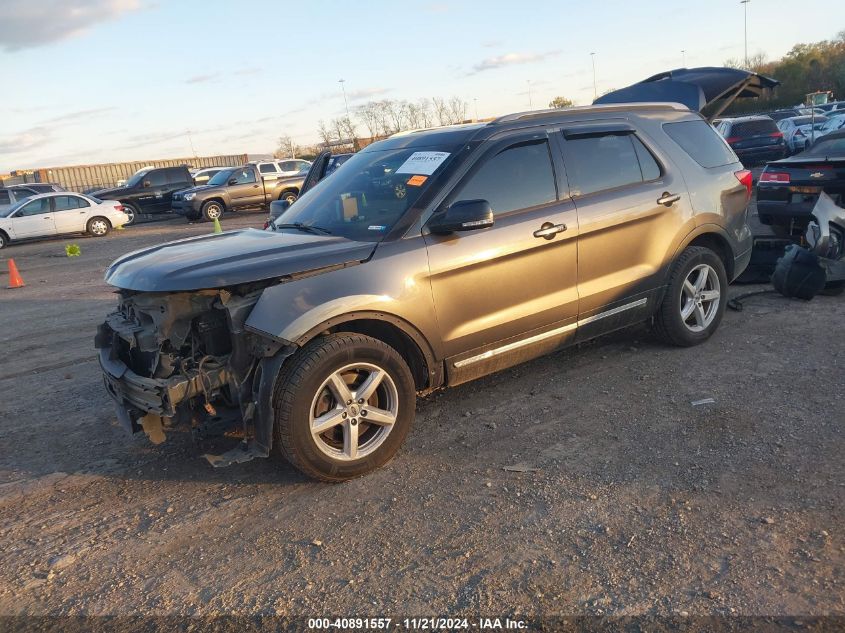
pixel 423 163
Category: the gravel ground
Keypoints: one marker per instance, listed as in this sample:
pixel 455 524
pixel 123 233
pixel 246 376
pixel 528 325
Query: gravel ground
pixel 585 482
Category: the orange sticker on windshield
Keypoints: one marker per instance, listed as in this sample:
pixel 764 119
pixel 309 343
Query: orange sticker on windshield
pixel 416 181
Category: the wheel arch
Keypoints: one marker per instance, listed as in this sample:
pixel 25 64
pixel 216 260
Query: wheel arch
pixel 219 199
pixel 6 236
pixel 715 238
pixel 393 331
pixel 294 190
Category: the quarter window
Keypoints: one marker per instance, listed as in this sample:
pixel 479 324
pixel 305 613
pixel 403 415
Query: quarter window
pixel 4 197
pixel 267 168
pixel 699 140
pixel 518 177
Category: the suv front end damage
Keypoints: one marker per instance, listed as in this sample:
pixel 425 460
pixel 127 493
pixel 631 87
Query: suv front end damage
pixel 184 358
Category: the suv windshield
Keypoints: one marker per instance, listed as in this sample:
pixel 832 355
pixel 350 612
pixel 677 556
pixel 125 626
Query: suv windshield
pixel 366 198
pixel 220 178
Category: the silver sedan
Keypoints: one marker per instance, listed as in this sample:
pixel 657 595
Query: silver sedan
pixel 50 214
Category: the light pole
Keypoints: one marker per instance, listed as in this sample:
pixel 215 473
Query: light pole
pixel 595 90
pixel 345 102
pixel 684 57
pixel 475 101
pixel 744 4
pixel 530 104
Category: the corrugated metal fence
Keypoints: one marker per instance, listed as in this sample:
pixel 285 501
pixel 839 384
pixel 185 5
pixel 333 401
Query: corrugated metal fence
pixel 82 177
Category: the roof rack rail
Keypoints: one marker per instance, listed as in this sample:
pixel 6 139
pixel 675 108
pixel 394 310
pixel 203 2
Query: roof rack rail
pixel 610 107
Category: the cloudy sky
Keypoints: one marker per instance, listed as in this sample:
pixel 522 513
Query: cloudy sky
pixel 90 81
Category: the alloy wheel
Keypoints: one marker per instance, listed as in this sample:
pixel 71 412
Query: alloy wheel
pixel 354 411
pixel 700 296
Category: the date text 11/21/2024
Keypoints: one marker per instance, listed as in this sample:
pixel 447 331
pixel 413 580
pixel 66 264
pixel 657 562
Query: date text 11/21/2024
pixel 416 624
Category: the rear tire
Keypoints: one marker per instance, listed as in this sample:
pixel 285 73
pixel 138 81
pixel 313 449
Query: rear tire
pixel 98 227
pixel 319 387
pixel 4 240
pixel 290 196
pixel 693 305
pixel 212 210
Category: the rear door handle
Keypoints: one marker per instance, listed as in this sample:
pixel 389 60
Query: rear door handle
pixel 549 230
pixel 668 199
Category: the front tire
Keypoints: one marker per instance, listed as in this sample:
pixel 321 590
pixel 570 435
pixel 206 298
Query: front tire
pixel 98 227
pixel 131 212
pixel 343 405
pixel 695 298
pixel 4 240
pixel 212 210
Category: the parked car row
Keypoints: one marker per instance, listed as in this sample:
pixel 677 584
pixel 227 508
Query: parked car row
pixel 758 139
pixel 153 190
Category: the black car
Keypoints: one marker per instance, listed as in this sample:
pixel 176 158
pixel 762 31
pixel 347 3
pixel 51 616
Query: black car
pixel 39 187
pixel 754 139
pixel 788 189
pixel 149 190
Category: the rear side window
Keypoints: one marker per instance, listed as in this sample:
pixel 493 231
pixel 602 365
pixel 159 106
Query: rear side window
pixel 4 197
pixel 63 203
pixel 701 142
pixel 518 177
pixel 267 168
pixel 596 163
pixel 177 176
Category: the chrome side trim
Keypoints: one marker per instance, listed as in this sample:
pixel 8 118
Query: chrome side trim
pixel 541 337
pixel 617 310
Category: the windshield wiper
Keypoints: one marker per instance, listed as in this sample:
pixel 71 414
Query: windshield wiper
pixel 308 228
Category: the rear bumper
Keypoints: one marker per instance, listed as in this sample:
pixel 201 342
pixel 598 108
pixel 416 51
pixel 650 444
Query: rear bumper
pixel 784 209
pixel 741 263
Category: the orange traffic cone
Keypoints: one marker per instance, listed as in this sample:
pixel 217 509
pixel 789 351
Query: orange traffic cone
pixel 15 280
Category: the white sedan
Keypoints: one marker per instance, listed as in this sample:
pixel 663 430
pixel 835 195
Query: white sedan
pixel 50 214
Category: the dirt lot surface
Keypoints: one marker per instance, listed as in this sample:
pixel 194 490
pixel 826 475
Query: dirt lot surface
pixel 585 482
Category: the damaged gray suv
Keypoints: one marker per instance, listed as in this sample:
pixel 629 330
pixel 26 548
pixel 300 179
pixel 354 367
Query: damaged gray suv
pixel 427 260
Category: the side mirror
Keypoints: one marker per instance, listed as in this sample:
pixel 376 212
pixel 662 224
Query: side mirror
pixel 464 215
pixel 147 183
pixel 232 181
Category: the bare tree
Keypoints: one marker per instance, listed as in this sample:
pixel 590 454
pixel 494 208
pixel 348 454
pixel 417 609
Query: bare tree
pixel 368 114
pixel 396 114
pixel 457 109
pixel 344 127
pixel 287 148
pixel 441 111
pixel 324 132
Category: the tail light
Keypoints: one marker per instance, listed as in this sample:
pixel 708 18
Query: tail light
pixel 744 177
pixel 266 224
pixel 799 133
pixel 781 178
pixel 776 134
pixel 119 207
pixel 733 139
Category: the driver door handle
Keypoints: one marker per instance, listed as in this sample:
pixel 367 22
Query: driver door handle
pixel 668 199
pixel 549 230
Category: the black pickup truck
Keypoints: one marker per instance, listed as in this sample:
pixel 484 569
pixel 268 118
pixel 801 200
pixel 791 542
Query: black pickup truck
pixel 234 189
pixel 148 191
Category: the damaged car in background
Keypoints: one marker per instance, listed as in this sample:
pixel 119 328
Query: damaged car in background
pixel 427 260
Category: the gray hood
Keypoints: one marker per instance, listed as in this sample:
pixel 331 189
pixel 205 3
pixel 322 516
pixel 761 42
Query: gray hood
pixel 231 258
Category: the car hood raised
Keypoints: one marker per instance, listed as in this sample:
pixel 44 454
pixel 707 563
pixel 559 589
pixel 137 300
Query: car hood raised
pixel 232 258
